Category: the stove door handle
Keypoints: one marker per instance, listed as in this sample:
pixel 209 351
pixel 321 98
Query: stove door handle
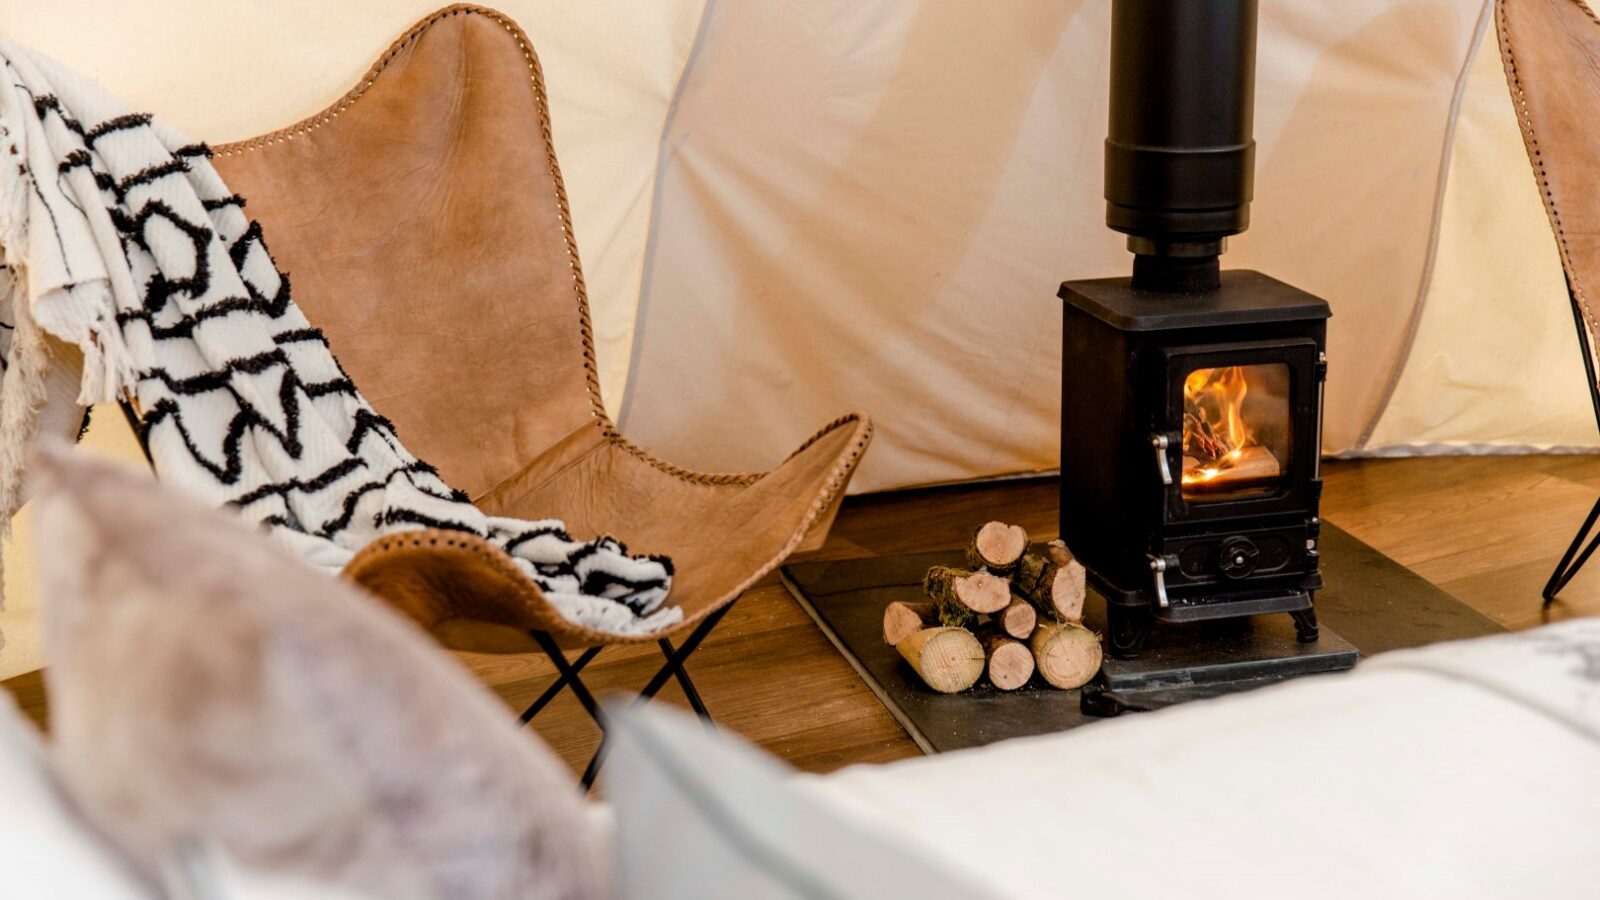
pixel 1161 442
pixel 1158 568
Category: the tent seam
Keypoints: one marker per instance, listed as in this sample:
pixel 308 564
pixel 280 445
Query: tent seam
pixel 642 306
pixel 1436 225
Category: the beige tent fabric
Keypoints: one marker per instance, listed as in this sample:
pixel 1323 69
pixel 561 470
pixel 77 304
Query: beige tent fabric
pixel 1495 365
pixel 870 206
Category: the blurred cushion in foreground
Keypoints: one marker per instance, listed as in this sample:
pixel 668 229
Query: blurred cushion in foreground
pixel 207 687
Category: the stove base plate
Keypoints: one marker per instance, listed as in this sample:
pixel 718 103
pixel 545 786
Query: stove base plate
pixel 1191 661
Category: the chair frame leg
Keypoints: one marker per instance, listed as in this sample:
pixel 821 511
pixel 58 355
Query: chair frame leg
pixel 562 680
pixel 1573 560
pixel 684 682
pixel 568 676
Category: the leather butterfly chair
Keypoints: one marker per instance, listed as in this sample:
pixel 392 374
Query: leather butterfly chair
pixel 1551 52
pixel 423 220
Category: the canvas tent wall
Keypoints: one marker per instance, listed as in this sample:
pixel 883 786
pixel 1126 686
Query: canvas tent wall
pixel 788 210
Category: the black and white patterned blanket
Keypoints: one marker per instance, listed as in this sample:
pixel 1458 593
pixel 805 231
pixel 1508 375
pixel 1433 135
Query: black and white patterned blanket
pixel 121 243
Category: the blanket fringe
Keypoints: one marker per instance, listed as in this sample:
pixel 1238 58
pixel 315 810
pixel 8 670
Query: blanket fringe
pixel 84 315
pixel 13 237
pixel 22 395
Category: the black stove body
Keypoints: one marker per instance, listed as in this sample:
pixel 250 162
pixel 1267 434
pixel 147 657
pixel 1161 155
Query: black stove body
pixel 1191 397
pixel 1161 540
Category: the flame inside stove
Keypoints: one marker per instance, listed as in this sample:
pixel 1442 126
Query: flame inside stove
pixel 1216 438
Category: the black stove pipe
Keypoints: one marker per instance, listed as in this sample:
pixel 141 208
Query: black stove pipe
pixel 1179 152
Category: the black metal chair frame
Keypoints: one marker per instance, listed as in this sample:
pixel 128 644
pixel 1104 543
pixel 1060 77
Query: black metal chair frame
pixel 567 676
pixel 568 670
pixel 1574 558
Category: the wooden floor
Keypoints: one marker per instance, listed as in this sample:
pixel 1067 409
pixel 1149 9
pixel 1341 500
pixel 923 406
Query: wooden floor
pixel 1486 529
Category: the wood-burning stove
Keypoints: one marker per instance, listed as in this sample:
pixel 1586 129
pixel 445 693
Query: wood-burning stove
pixel 1190 450
pixel 1191 397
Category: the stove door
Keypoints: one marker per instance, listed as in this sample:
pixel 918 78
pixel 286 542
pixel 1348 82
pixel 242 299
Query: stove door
pixel 1238 436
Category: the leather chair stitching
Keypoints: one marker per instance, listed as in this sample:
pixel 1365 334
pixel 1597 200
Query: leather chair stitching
pixel 1536 156
pixel 586 331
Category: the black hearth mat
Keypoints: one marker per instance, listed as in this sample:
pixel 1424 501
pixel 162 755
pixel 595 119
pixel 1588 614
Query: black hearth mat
pixel 1207 659
pixel 1371 602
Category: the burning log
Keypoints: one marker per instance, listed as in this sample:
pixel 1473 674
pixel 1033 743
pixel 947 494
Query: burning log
pixel 997 547
pixel 1247 465
pixel 1055 586
pixel 1067 654
pixel 949 660
pixel 959 594
pixel 1010 662
pixel 902 619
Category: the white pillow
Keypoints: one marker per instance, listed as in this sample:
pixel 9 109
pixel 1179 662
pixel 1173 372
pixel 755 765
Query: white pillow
pixel 46 850
pixel 1467 770
pixel 704 817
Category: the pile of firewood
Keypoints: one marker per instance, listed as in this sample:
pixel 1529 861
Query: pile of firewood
pixel 1010 613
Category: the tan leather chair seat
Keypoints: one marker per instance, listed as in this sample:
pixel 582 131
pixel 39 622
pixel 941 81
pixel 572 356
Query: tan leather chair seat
pixel 423 222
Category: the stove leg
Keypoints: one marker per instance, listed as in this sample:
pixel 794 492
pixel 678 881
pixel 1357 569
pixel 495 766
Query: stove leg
pixel 1305 625
pixel 1130 627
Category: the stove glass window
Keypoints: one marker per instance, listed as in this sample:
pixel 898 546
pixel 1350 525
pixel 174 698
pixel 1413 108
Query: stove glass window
pixel 1235 432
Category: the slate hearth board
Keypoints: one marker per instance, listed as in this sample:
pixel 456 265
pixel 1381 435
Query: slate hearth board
pixel 1371 601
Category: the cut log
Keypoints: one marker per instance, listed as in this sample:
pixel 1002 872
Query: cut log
pixel 1010 662
pixel 997 547
pixel 979 592
pixel 1067 654
pixel 1058 553
pixel 1017 619
pixel 1068 586
pixel 902 619
pixel 949 660
pixel 1054 586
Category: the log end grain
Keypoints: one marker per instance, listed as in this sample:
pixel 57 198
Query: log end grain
pixel 949 660
pixel 997 546
pixel 1067 654
pixel 1010 663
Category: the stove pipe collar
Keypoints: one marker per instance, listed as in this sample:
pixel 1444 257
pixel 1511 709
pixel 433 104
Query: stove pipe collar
pixel 1180 154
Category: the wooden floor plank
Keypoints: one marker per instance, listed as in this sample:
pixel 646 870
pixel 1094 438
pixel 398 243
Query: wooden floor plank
pixel 1487 529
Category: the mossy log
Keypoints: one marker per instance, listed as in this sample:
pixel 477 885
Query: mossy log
pixel 1056 586
pixel 949 660
pixel 959 594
